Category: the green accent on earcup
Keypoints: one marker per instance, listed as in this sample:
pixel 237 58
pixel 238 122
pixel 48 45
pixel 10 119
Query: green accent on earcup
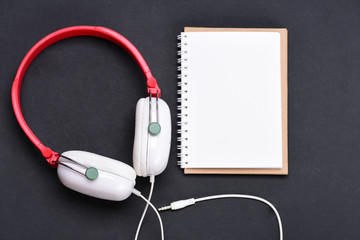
pixel 91 173
pixel 154 128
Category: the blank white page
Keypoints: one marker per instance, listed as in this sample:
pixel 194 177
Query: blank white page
pixel 233 98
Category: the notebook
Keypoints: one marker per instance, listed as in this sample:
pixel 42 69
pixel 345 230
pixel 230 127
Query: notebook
pixel 232 104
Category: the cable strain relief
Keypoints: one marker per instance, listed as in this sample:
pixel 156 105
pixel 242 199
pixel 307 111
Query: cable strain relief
pixel 152 178
pixel 182 203
pixel 136 192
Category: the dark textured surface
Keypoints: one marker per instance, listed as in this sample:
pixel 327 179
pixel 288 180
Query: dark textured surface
pixel 81 94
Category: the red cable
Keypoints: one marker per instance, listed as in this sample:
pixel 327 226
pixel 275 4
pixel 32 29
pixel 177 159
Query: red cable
pixel 100 32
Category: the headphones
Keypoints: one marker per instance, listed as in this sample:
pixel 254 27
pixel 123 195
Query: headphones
pixel 103 177
pixel 93 174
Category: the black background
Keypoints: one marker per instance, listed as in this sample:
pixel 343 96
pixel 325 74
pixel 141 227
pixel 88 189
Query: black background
pixel 81 93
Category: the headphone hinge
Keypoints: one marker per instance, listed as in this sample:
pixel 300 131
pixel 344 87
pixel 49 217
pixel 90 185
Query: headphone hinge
pixel 154 92
pixel 50 156
pixel 152 86
pixel 52 160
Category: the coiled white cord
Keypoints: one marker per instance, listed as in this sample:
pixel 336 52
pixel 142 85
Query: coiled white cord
pixel 191 201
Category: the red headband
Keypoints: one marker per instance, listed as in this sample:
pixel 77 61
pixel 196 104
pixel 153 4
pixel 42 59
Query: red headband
pixel 100 32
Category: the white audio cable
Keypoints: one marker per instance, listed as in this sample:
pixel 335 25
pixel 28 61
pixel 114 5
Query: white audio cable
pixel 191 201
pixel 152 182
pixel 138 193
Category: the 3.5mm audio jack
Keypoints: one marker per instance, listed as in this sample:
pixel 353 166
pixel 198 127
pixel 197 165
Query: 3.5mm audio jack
pixel 178 204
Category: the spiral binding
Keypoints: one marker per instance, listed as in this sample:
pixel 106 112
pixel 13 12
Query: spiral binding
pixel 182 124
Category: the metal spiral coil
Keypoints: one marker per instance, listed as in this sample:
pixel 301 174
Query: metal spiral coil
pixel 180 45
pixel 182 139
pixel 180 131
pixel 180 68
pixel 181 60
pixel 182 154
pixel 180 147
pixel 181 76
pixel 181 115
pixel 180 53
pixel 182 124
pixel 181 84
pixel 180 107
pixel 180 100
pixel 180 92
pixel 180 37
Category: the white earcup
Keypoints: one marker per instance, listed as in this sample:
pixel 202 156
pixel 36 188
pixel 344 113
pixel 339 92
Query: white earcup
pixel 151 152
pixel 113 179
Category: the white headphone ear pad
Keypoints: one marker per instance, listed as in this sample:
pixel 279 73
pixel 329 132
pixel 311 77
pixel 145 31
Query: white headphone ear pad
pixel 114 180
pixel 151 152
